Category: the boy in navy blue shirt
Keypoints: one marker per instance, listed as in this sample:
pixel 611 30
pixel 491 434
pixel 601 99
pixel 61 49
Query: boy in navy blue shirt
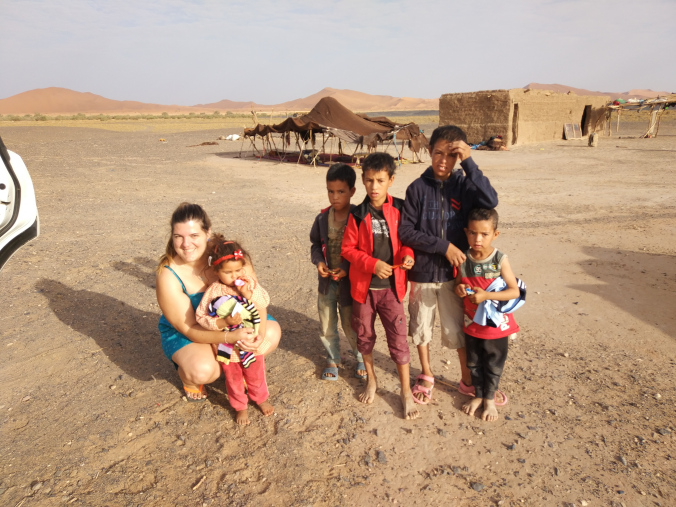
pixel 433 222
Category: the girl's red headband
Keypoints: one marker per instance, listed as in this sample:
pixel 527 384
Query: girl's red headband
pixel 237 255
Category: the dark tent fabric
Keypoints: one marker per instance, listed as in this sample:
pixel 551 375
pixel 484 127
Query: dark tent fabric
pixel 331 117
pixel 329 114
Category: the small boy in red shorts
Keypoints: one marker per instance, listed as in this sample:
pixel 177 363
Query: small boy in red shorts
pixel 378 265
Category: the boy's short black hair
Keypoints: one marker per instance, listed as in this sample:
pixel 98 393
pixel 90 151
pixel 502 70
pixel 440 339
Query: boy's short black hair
pixel 379 161
pixel 481 214
pixel 342 172
pixel 449 133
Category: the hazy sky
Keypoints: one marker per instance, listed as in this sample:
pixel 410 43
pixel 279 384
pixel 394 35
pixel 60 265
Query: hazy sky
pixel 190 51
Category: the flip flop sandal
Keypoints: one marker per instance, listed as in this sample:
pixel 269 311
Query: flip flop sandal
pixel 469 391
pixel 465 389
pixel 331 369
pixel 426 391
pixel 360 366
pixel 199 390
pixel 504 399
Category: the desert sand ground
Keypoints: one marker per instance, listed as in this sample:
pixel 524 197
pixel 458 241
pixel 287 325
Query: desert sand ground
pixel 92 414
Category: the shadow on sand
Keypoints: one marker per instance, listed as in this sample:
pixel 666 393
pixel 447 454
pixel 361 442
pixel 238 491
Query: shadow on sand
pixel 641 284
pixel 126 335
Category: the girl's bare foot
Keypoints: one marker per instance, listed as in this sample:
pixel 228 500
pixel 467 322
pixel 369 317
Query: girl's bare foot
pixel 369 393
pixel 470 407
pixel 266 408
pixel 410 409
pixel 490 411
pixel 242 417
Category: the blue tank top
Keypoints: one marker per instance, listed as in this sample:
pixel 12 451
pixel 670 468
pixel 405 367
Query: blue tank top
pixel 163 325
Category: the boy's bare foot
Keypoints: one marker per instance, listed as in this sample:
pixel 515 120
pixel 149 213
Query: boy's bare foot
pixel 266 408
pixel 242 417
pixel 470 407
pixel 410 409
pixel 369 393
pixel 490 411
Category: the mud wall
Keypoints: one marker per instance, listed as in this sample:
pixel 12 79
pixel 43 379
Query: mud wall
pixel 541 114
pixel 519 116
pixel 480 114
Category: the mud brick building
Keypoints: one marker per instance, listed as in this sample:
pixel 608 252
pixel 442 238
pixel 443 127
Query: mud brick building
pixel 520 115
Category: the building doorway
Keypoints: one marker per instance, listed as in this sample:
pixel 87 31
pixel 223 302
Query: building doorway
pixel 586 120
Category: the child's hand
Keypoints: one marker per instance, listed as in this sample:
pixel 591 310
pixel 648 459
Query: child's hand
pixel 454 255
pixel 383 270
pixel 460 290
pixel 338 273
pixel 323 270
pixel 246 291
pixel 462 149
pixel 407 263
pixel 479 295
pixel 233 320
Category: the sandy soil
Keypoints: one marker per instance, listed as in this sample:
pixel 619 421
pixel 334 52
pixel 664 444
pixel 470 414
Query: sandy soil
pixel 91 412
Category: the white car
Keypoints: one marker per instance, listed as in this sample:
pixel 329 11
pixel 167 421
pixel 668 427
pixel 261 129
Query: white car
pixel 19 222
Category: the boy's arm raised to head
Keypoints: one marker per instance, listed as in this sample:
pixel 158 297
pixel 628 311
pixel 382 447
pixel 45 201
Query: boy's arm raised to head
pixel 350 249
pixel 408 232
pixel 478 191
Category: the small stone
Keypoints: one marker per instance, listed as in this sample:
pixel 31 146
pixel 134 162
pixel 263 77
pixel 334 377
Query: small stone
pixel 566 354
pixel 456 470
pixel 511 447
pixel 556 471
pixel 583 503
pixel 380 455
pixel 477 486
pixel 508 418
pixel 664 431
pixel 623 460
pixel 658 396
pixel 36 485
pixel 441 432
pixel 521 460
pixel 26 398
pixel 620 492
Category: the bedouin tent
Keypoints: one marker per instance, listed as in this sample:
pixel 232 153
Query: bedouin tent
pixel 330 118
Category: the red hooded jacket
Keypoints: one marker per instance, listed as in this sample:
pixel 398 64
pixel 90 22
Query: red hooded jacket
pixel 357 247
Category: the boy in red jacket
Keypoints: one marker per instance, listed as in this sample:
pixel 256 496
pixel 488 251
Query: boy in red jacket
pixel 378 265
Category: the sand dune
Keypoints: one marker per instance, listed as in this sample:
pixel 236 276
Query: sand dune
pixel 353 100
pixel 65 101
pixel 637 94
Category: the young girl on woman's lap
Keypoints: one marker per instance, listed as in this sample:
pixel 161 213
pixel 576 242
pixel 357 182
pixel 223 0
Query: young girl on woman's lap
pixel 229 259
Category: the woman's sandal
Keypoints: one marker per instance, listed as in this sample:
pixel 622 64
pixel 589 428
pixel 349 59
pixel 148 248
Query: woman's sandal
pixel 469 391
pixel 426 391
pixel 330 370
pixel 200 390
pixel 360 366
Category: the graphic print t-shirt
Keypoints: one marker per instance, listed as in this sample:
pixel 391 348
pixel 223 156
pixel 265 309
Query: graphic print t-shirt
pixel 382 247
